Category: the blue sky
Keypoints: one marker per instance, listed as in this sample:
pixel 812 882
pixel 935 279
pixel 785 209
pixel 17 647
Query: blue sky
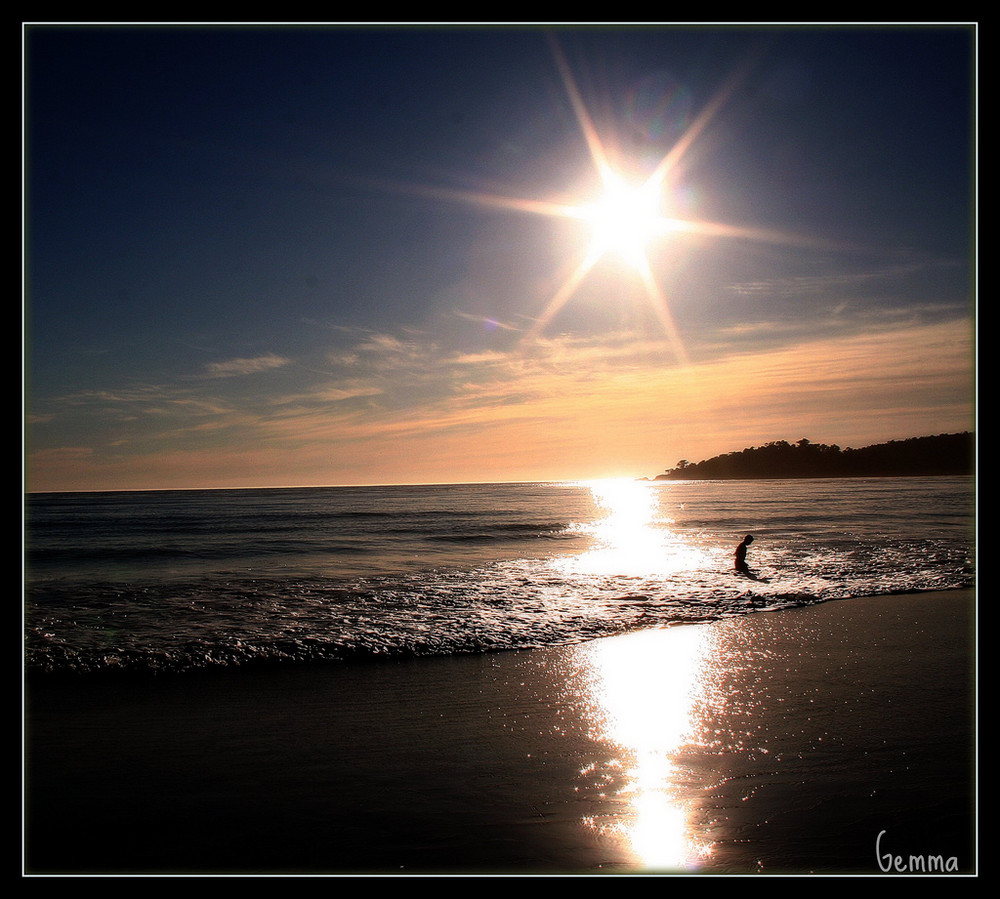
pixel 325 255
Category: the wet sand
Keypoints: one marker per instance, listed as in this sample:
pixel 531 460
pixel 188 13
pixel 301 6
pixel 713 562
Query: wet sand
pixel 781 742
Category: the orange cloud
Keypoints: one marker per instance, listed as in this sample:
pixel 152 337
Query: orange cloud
pixel 564 409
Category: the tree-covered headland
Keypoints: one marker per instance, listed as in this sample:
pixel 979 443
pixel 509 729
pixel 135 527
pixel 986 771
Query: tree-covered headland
pixel 944 454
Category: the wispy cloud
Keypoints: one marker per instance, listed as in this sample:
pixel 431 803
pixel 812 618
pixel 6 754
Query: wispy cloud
pixel 891 275
pixel 487 322
pixel 402 407
pixel 248 366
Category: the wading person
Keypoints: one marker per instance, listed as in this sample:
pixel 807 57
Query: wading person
pixel 741 555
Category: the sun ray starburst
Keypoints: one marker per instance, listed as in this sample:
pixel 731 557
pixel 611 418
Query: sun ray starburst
pixel 627 217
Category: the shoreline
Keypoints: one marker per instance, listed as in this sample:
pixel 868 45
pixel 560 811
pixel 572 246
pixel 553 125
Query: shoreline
pixel 807 740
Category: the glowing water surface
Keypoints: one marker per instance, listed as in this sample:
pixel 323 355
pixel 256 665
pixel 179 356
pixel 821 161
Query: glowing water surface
pixel 643 689
pixel 642 686
pixel 177 580
pixel 632 536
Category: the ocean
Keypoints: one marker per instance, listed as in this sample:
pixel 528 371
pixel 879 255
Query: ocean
pixel 171 582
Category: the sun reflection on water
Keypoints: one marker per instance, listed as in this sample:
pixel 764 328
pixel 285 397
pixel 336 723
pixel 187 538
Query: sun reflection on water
pixel 632 535
pixel 643 686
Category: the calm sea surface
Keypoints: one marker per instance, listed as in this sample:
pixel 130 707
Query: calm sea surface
pixel 182 580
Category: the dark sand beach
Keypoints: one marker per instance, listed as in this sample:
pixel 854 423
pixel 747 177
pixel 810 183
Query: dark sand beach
pixel 775 743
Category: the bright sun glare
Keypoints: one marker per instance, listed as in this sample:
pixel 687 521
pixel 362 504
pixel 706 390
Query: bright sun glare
pixel 624 220
pixel 627 217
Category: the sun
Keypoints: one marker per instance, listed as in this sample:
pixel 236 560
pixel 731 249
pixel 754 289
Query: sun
pixel 625 219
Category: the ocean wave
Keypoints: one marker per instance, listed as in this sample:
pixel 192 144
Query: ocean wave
pixel 157 629
pixel 206 580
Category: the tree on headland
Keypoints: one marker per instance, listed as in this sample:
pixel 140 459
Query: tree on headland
pixel 944 454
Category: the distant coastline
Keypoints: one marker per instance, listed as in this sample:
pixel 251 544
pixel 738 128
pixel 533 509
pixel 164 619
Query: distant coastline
pixel 941 455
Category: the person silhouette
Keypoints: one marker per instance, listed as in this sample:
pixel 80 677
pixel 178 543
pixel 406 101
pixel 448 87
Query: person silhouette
pixel 741 555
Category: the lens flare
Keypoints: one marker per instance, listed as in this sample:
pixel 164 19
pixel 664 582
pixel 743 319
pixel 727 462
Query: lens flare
pixel 628 216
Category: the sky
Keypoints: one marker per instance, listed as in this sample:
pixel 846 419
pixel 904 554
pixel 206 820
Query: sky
pixel 330 254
